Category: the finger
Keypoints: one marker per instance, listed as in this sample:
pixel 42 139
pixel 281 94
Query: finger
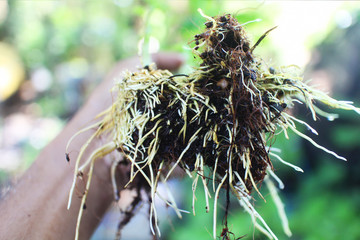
pixel 164 60
pixel 168 60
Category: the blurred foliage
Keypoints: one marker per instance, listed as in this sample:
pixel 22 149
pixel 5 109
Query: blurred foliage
pixel 66 47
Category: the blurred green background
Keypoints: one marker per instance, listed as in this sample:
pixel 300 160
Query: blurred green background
pixel 53 53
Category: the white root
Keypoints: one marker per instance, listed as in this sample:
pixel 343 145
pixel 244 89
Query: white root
pixel 215 203
pixel 279 206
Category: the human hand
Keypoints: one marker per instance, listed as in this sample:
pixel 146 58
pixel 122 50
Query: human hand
pixel 35 208
pixel 101 99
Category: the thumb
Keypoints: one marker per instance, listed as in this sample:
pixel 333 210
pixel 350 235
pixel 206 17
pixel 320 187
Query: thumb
pixel 168 60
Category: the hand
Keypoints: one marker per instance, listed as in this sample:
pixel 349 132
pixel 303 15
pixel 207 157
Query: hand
pixel 35 208
pixel 101 99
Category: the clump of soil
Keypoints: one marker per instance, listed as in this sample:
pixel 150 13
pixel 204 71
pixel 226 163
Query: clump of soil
pixel 216 124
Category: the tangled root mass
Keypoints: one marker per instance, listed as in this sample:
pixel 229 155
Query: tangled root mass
pixel 216 123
